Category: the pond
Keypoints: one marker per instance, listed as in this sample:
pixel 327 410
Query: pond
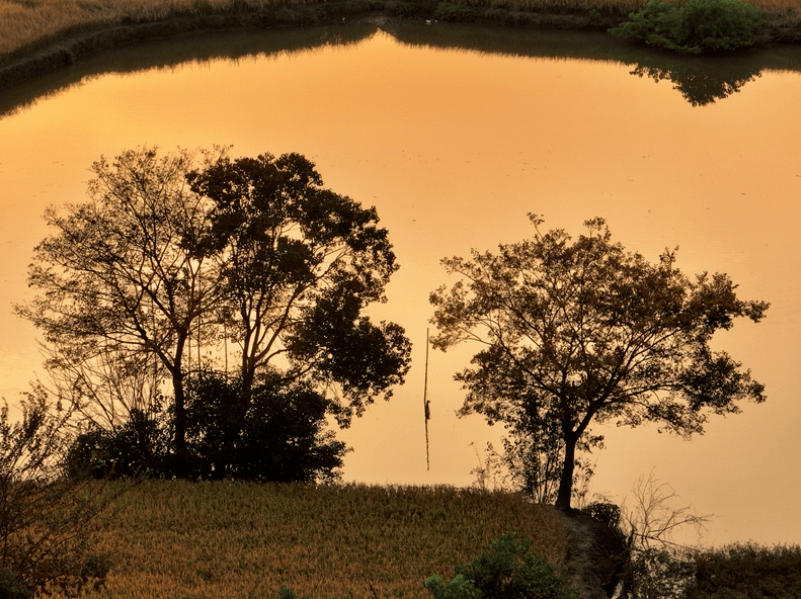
pixel 454 133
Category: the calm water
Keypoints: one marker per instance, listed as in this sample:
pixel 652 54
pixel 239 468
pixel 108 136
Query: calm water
pixel 455 134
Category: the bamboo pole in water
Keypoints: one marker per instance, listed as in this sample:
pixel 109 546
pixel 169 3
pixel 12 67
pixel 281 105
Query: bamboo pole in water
pixel 427 410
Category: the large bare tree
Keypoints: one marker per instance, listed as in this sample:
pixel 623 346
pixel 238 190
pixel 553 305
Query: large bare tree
pixel 117 279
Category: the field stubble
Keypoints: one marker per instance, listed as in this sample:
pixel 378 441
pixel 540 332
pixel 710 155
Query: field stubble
pixel 182 540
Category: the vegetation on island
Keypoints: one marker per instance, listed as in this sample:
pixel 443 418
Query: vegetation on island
pixel 181 257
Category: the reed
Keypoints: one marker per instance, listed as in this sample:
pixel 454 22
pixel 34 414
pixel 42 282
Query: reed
pixel 29 23
pixel 174 540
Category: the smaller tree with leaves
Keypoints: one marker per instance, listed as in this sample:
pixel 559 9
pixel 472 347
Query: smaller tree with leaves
pixel 583 332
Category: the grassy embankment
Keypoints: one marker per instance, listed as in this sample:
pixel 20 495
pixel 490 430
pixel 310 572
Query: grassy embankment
pixel 68 29
pixel 181 540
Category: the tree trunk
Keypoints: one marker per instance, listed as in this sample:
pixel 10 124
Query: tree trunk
pixel 181 452
pixel 566 484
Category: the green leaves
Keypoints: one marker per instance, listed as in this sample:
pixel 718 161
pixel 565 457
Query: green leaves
pixel 695 26
pixel 510 572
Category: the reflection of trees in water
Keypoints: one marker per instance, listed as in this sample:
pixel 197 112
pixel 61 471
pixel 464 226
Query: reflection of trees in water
pixel 701 81
pixel 170 53
pixel 698 84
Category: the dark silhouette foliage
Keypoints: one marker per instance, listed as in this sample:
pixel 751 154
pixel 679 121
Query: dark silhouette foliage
pixel 298 265
pixel 747 571
pixel 272 433
pixel 275 432
pixel 199 248
pixel 140 447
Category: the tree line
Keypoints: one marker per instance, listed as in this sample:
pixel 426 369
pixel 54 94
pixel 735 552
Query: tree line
pixel 176 262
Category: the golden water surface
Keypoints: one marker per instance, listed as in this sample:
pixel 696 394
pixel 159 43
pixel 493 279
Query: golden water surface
pixel 454 147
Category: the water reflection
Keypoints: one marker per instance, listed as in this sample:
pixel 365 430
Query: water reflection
pixel 699 84
pixel 454 147
pixel 699 81
pixel 172 53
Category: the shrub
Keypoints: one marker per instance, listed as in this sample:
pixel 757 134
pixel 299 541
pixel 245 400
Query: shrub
pixel 509 573
pixel 273 433
pixel 45 519
pixel 12 586
pixel 447 11
pixel 140 446
pixel 696 26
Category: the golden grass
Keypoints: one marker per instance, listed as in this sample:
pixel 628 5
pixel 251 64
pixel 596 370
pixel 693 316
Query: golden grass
pixel 181 540
pixel 26 22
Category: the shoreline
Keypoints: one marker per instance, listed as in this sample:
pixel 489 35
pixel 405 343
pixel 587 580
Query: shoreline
pixel 61 50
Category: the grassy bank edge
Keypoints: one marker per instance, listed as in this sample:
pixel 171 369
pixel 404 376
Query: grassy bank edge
pixel 64 47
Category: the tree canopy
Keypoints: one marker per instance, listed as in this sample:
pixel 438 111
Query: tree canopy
pixel 575 332
pixel 197 247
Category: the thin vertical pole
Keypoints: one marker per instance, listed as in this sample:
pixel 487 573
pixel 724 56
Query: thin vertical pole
pixel 199 323
pixel 225 344
pixel 426 408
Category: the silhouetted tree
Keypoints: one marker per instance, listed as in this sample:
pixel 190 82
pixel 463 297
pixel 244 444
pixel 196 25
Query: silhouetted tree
pixel 298 265
pixel 586 331
pixel 197 248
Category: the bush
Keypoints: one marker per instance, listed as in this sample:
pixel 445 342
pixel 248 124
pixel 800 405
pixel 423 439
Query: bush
pixel 273 433
pixel 12 586
pixel 45 519
pixel 447 11
pixel 510 573
pixel 140 446
pixel 696 26
pixel 658 573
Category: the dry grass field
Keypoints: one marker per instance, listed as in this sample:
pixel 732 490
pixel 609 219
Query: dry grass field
pixel 183 540
pixel 28 24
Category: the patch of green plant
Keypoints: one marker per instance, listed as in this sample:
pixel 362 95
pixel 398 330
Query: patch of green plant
pixel 695 27
pixel 12 586
pixel 510 572
pixel 447 11
pixel 404 10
